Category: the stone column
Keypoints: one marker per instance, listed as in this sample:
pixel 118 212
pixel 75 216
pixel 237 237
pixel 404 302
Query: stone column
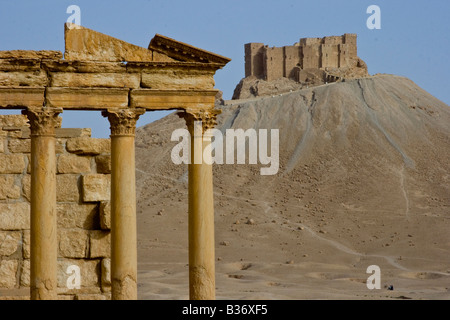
pixel 123 203
pixel 43 241
pixel 201 207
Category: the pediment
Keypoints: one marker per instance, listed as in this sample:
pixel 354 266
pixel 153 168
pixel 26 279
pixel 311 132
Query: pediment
pixel 88 45
pixel 184 52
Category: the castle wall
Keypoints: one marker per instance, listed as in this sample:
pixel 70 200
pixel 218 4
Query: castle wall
pixel 311 56
pixel 350 40
pixel 310 41
pixel 274 63
pixel 83 211
pixel 344 55
pixel 292 58
pixel 254 60
pixel 332 40
pixel 330 55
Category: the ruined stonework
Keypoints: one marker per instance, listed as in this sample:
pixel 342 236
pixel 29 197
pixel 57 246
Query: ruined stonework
pixel 311 61
pixel 83 217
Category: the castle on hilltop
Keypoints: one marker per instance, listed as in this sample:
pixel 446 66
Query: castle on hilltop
pixel 311 61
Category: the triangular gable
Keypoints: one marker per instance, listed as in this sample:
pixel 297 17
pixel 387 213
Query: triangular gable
pixel 89 45
pixel 184 52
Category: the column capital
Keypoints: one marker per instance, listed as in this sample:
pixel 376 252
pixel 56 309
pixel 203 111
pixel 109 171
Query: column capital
pixel 123 121
pixel 43 120
pixel 207 117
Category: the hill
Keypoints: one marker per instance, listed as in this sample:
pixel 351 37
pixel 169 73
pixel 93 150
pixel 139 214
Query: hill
pixel 364 180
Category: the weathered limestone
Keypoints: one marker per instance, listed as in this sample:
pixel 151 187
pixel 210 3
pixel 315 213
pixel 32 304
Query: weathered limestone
pixel 73 164
pixel 123 203
pixel 19 79
pixel 178 79
pixel 27 54
pixel 8 188
pixel 25 274
pixel 106 274
pixel 102 80
pixel 21 97
pixel 89 275
pixel 67 188
pixel 9 242
pixel 75 215
pixel 43 202
pixel 14 216
pixel 201 208
pixel 12 163
pixel 105 215
pixel 8 269
pixel 100 73
pixel 19 146
pixel 170 99
pixel 76 221
pixel 26 244
pixel 100 244
pixel 86 44
pixel 96 187
pixel 88 146
pixel 86 98
pixel 73 243
pixel 103 163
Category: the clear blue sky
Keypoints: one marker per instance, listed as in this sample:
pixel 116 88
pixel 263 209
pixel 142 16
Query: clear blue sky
pixel 414 39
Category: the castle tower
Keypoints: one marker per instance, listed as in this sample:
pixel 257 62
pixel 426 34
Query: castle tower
pixel 254 60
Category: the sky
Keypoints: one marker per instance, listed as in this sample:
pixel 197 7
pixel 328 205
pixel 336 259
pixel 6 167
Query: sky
pixel 414 39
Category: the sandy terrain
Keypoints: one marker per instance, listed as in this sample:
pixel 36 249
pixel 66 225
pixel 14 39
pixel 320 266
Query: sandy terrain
pixel 364 180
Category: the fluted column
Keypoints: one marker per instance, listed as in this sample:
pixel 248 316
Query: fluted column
pixel 123 203
pixel 43 241
pixel 201 207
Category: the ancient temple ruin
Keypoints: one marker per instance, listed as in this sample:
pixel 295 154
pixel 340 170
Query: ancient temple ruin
pixel 122 81
pixel 310 61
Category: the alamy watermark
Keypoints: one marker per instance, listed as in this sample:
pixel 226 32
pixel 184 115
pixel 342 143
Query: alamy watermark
pixel 374 21
pixel 75 16
pixel 74 279
pixel 234 143
pixel 374 281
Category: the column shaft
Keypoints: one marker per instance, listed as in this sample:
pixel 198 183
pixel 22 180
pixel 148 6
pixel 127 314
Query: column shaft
pixel 201 211
pixel 43 233
pixel 123 204
pixel 123 219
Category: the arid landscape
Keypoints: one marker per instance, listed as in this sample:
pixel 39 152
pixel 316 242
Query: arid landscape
pixel 364 180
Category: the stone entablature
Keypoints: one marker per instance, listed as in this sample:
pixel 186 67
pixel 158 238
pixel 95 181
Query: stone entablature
pixel 326 59
pixel 100 72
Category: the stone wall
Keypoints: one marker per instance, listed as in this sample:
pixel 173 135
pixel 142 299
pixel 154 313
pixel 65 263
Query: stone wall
pixel 335 55
pixel 83 211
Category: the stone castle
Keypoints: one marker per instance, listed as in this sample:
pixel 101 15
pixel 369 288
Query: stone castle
pixel 310 61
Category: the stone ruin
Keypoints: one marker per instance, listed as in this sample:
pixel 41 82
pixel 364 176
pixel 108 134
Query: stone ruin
pixel 56 183
pixel 83 210
pixel 309 62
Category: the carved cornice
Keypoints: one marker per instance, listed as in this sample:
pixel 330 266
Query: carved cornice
pixel 123 121
pixel 43 121
pixel 184 52
pixel 207 117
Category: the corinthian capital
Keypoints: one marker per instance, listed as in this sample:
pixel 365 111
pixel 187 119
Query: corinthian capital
pixel 207 117
pixel 43 121
pixel 123 121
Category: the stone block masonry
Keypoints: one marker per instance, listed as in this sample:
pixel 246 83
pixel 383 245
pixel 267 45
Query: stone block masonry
pixel 83 210
pixel 311 61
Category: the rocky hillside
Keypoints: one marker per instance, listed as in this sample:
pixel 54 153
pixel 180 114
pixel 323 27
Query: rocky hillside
pixel 364 179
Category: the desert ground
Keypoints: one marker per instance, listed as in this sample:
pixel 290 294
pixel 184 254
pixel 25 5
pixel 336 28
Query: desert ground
pixel 364 179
